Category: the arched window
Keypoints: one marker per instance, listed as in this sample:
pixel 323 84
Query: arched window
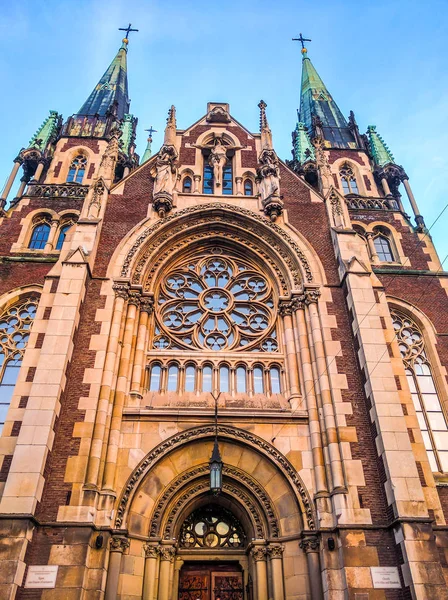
pixel 227 179
pixel 212 527
pixel 274 374
pixel 241 385
pixel 207 376
pixel 77 169
pixel 15 325
pixel 186 185
pixel 61 237
pixel 208 186
pixel 248 187
pixel 258 380
pixel 383 248
pixel 173 377
pixel 348 180
pixel 224 379
pixel 431 418
pixel 154 380
pixel 190 378
pixel 39 237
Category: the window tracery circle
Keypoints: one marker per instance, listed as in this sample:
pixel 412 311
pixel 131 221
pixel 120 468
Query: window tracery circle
pixel 212 527
pixel 216 301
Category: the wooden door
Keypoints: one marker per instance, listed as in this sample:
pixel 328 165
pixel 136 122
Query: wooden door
pixel 210 583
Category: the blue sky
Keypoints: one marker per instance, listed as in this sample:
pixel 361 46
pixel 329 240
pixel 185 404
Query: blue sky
pixel 385 60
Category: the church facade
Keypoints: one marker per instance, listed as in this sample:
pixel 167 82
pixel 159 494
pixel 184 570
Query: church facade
pixel 222 375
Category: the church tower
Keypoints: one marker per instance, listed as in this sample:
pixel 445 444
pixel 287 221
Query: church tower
pixel 222 375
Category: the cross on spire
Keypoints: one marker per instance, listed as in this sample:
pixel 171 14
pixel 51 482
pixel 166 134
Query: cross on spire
pixel 128 30
pixel 301 39
pixel 151 131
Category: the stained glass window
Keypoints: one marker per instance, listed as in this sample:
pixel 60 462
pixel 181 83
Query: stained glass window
pixel 15 326
pixel 212 527
pixel 227 179
pixel 208 179
pixel 430 415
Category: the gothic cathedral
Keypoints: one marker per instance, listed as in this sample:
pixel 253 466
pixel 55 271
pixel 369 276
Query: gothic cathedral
pixel 222 374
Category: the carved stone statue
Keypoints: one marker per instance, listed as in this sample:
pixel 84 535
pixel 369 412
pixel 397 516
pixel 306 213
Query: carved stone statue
pixel 218 159
pixel 166 175
pixel 269 174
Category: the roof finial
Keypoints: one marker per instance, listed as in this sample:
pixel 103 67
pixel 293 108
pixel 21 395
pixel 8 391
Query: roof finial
pixel 148 151
pixel 301 39
pixel 128 30
pixel 263 121
pixel 266 134
pixel 170 129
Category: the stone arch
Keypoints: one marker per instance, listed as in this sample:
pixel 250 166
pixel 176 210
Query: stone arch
pixel 297 262
pixel 257 475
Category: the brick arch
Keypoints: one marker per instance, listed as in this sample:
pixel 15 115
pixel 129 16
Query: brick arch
pixel 251 465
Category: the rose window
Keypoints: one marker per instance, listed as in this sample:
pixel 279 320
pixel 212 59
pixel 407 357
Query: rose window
pixel 216 303
pixel 212 527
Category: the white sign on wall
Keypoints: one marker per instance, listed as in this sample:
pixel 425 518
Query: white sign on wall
pixel 385 577
pixel 41 576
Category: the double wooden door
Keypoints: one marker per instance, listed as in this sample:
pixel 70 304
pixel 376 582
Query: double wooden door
pixel 211 582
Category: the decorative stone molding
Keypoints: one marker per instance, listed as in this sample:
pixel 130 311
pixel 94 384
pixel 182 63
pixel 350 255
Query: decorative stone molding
pixel 258 553
pixel 275 550
pixel 147 304
pixel 163 203
pixel 134 297
pixel 119 544
pixel 121 290
pixel 224 431
pixel 312 296
pixel 191 210
pixel 218 115
pixel 151 551
pixel 309 544
pixel 167 553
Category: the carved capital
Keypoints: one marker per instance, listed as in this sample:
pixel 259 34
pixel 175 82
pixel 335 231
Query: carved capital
pixel 309 544
pixel 163 203
pixel 134 297
pixel 119 544
pixel 121 290
pixel 285 308
pixel 275 550
pixel 312 296
pixel 151 551
pixel 167 553
pixel 147 304
pixel 259 553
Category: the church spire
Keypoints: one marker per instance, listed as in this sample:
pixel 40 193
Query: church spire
pixel 381 154
pixel 318 111
pixel 111 92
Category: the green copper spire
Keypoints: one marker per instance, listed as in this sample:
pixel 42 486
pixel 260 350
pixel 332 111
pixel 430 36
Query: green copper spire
pixel 303 148
pixel 111 92
pixel 382 156
pixel 318 109
pixel 128 133
pixel 46 132
pixel 148 151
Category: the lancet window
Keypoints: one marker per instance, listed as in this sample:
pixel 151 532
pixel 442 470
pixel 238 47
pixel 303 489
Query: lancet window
pixel 77 169
pixel 348 180
pixel 419 373
pixel 383 248
pixel 15 326
pixel 212 527
pixel 248 187
pixel 186 185
pixel 39 235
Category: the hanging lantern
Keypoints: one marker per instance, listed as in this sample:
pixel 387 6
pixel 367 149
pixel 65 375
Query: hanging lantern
pixel 215 469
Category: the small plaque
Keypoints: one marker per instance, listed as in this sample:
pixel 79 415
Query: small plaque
pixel 385 577
pixel 41 576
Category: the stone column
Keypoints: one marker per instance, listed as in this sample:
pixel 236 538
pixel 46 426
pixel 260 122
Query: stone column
pixel 117 546
pixel 418 217
pixel 120 392
pixel 275 553
pixel 10 182
pixel 23 181
pixel 311 400
pixel 149 578
pixel 197 181
pixel 126 172
pixel 167 554
pixel 239 190
pixel 38 172
pixel 386 187
pixel 113 350
pixel 311 300
pixel 49 246
pixel 178 562
pixel 146 307
pixel 259 557
pixel 372 249
pixel 286 310
pixel 310 545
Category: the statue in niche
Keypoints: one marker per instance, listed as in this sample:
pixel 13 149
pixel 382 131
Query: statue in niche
pixel 166 174
pixel 269 175
pixel 218 159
